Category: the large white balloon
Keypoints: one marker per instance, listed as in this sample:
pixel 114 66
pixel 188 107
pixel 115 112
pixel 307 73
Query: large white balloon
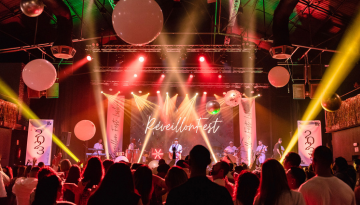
pixel 32 8
pixel 278 76
pixel 85 130
pixel 232 98
pixel 137 21
pixel 39 74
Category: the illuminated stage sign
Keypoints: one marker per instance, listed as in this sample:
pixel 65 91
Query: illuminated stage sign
pixel 180 126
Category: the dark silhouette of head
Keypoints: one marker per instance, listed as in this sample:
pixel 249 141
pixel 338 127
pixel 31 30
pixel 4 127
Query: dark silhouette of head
pixel 45 171
pixel 292 159
pixel 41 164
pixel 107 164
pixel 162 169
pixel 65 165
pixel 74 174
pixel 8 171
pixel 220 170
pixel 322 159
pixel 247 185
pixel 199 158
pixel 273 182
pixel 21 171
pixel 341 164
pixel 93 172
pixel 162 161
pixel 143 182
pixel 47 190
pixel 34 171
pixel 295 177
pixel 175 177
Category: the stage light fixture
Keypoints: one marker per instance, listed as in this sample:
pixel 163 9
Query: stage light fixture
pixel 163 75
pixel 202 59
pixel 141 59
pixel 167 93
pixel 259 95
pixel 102 92
pixel 191 75
pixel 140 91
pixel 220 76
pixel 157 91
pixel 205 93
pixel 135 75
pixel 132 93
pixel 197 93
pixel 110 89
pixel 224 93
pixel 88 57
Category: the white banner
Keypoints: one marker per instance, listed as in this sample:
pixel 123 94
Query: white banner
pixel 39 141
pixel 247 120
pixel 309 137
pixel 115 124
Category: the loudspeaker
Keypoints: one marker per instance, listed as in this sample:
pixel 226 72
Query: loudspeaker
pixel 313 88
pixel 66 138
pixel 298 91
pixel 53 91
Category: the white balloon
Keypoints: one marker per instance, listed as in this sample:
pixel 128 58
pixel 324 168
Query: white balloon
pixel 121 158
pixel 278 76
pixel 84 130
pixel 153 164
pixel 39 74
pixel 137 22
pixel 232 98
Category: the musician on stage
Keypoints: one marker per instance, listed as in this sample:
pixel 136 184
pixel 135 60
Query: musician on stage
pixel 278 150
pixel 98 145
pixel 260 151
pixel 231 149
pixel 177 147
pixel 132 145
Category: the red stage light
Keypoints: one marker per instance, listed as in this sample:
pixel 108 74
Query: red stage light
pixel 201 59
pixel 205 93
pixel 88 57
pixel 220 76
pixel 157 91
pixel 191 75
pixel 141 59
pixel 140 91
pixel 135 75
pixel 163 75
pixel 224 93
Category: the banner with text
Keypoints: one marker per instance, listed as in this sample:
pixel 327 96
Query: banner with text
pixel 309 137
pixel 115 124
pixel 39 141
pixel 247 120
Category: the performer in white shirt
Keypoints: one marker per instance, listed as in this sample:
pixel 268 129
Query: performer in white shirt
pixel 132 145
pixel 260 151
pixel 98 145
pixel 231 149
pixel 178 149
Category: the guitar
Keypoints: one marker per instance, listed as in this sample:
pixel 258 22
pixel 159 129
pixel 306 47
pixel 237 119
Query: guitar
pixel 177 153
pixel 261 151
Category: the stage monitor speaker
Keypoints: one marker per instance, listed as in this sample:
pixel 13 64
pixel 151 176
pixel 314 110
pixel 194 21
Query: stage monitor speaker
pixel 33 93
pixel 298 91
pixel 66 138
pixel 298 72
pixel 313 88
pixel 53 91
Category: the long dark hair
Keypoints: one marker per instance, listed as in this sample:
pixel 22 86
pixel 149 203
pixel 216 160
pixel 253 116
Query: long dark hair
pixel 175 177
pixel 143 183
pixel 273 182
pixel 117 187
pixel 93 173
pixel 247 185
pixel 47 190
pixel 74 174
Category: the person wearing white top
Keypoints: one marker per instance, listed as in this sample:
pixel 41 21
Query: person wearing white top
pixel 4 180
pixel 24 186
pixel 324 188
pixel 98 145
pixel 260 150
pixel 177 147
pixel 231 149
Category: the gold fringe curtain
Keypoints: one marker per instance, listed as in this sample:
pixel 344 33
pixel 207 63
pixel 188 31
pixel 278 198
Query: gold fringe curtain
pixel 347 116
pixel 8 114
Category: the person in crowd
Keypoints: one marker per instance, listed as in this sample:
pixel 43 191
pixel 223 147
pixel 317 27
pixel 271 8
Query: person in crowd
pixel 199 190
pixel 43 172
pixel 292 159
pixel 27 170
pixel 175 177
pixel 184 165
pixel 357 168
pixel 274 189
pixel 8 171
pixel 41 165
pixel 24 186
pixel 325 188
pixel 10 196
pixel 144 183
pixel 247 185
pixel 219 172
pixel 352 173
pixel 65 165
pixel 4 181
pixel 239 169
pixel 135 166
pixel 295 177
pixel 48 191
pixel 162 169
pixel 309 171
pixel 20 172
pixel 73 177
pixel 341 171
pixel 278 150
pixel 117 187
pixel 107 164
pixel 162 161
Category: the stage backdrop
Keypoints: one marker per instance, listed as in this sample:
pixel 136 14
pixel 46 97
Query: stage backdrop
pixel 247 120
pixel 39 141
pixel 309 137
pixel 115 124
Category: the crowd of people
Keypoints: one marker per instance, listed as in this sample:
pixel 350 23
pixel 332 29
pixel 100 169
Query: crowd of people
pixel 186 182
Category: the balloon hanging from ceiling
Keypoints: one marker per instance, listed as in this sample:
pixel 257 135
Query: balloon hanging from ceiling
pixel 84 130
pixel 137 22
pixel 331 103
pixel 213 107
pixel 278 76
pixel 39 74
pixel 32 8
pixel 232 98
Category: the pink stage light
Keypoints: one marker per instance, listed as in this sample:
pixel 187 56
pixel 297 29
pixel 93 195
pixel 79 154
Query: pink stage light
pixel 157 91
pixel 205 93
pixel 163 75
pixel 135 75
pixel 224 93
pixel 88 57
pixel 201 59
pixel 191 75
pixel 220 76
pixel 141 59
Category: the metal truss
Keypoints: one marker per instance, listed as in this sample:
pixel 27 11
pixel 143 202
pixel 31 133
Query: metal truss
pixel 246 47
pixel 180 69
pixel 178 84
